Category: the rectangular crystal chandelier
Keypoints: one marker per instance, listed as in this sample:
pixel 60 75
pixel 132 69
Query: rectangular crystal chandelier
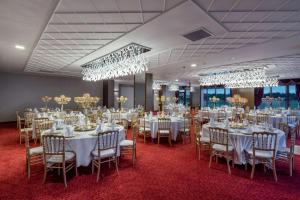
pixel 245 78
pixel 128 60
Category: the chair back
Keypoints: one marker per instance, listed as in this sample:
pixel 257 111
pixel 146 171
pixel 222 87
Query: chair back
pixel 221 115
pixel 218 136
pixel 37 122
pixel 70 120
pixel 264 141
pixel 135 128
pixel 53 145
pixel 285 128
pixel 19 122
pixel 164 124
pixel 143 123
pixel 293 142
pixel 291 119
pixel 27 145
pixel 186 122
pixel 107 140
pixel 262 118
pixel 29 117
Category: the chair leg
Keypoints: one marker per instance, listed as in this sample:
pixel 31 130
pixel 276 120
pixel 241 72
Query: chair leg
pixel 144 137
pixel 20 139
pixel 199 152
pixel 253 168
pixel 75 166
pixel 28 167
pixel 274 170
pixel 228 164
pixel 117 169
pixel 98 172
pixel 158 138
pixel 45 172
pixel 64 174
pixel 170 142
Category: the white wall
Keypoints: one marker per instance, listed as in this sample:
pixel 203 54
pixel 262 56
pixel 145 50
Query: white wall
pixel 19 91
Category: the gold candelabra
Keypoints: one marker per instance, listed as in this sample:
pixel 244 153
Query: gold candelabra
pixel 214 100
pixel 62 100
pixel 46 99
pixel 86 101
pixel 122 100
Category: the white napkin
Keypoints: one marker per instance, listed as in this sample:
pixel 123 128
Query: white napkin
pixel 53 129
pixel 69 131
pixel 50 117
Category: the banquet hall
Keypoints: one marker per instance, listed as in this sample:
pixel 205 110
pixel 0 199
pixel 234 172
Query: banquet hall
pixel 150 99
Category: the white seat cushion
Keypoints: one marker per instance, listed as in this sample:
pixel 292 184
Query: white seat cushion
pixel 164 132
pixel 186 130
pixel 36 150
pixel 26 129
pixel 146 129
pixel 204 139
pixel 220 147
pixel 261 154
pixel 124 143
pixel 59 158
pixel 104 153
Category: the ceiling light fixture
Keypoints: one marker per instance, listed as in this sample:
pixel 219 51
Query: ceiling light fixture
pixel 128 60
pixel 245 78
pixel 193 65
pixel 20 47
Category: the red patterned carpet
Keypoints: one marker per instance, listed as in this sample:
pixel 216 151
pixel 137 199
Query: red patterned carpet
pixel 161 172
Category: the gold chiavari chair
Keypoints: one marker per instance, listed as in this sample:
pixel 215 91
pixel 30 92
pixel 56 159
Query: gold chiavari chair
pixel 144 129
pixel 200 141
pixel 287 156
pixel 221 115
pixel 106 150
pixel 263 150
pixel 125 124
pixel 20 121
pixel 164 130
pixel 34 156
pixel 129 146
pixel 56 157
pixel 262 118
pixel 36 127
pixel 220 147
pixel 185 131
pixel 205 115
pixel 28 118
pixel 46 125
pixel 116 117
pixel 23 130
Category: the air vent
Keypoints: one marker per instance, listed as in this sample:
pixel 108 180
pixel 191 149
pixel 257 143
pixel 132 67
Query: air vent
pixel 46 71
pixel 197 35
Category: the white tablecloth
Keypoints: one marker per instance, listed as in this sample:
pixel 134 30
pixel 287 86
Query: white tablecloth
pixel 123 115
pixel 241 140
pixel 176 124
pixel 83 143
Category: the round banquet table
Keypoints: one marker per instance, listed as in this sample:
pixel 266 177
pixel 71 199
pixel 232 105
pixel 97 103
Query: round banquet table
pixel 84 142
pixel 176 124
pixel 276 119
pixel 241 139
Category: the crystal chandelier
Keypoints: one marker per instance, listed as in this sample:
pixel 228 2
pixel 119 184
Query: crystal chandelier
pixel 173 87
pixel 246 78
pixel 128 60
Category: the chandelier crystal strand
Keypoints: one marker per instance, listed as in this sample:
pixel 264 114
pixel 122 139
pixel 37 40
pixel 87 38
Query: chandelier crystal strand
pixel 126 61
pixel 249 78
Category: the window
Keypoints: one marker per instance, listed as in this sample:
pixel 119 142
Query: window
pixel 293 102
pixel 184 96
pixel 221 93
pixel 287 95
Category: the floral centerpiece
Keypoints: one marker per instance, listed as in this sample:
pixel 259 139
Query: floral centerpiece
pixel 62 100
pixel 122 100
pixel 237 101
pixel 46 99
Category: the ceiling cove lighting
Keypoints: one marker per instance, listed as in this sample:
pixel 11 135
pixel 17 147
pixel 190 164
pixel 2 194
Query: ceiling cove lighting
pixel 245 78
pixel 128 60
pixel 20 47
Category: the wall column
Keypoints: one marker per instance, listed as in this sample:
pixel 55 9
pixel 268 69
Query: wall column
pixel 143 93
pixel 108 93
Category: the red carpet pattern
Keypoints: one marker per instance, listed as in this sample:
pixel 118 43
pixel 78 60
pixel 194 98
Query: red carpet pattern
pixel 161 172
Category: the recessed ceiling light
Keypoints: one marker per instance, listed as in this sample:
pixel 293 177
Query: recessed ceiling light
pixel 193 65
pixel 176 80
pixel 19 47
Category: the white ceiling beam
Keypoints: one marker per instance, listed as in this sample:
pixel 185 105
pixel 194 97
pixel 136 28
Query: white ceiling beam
pixel 94 23
pixel 106 12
